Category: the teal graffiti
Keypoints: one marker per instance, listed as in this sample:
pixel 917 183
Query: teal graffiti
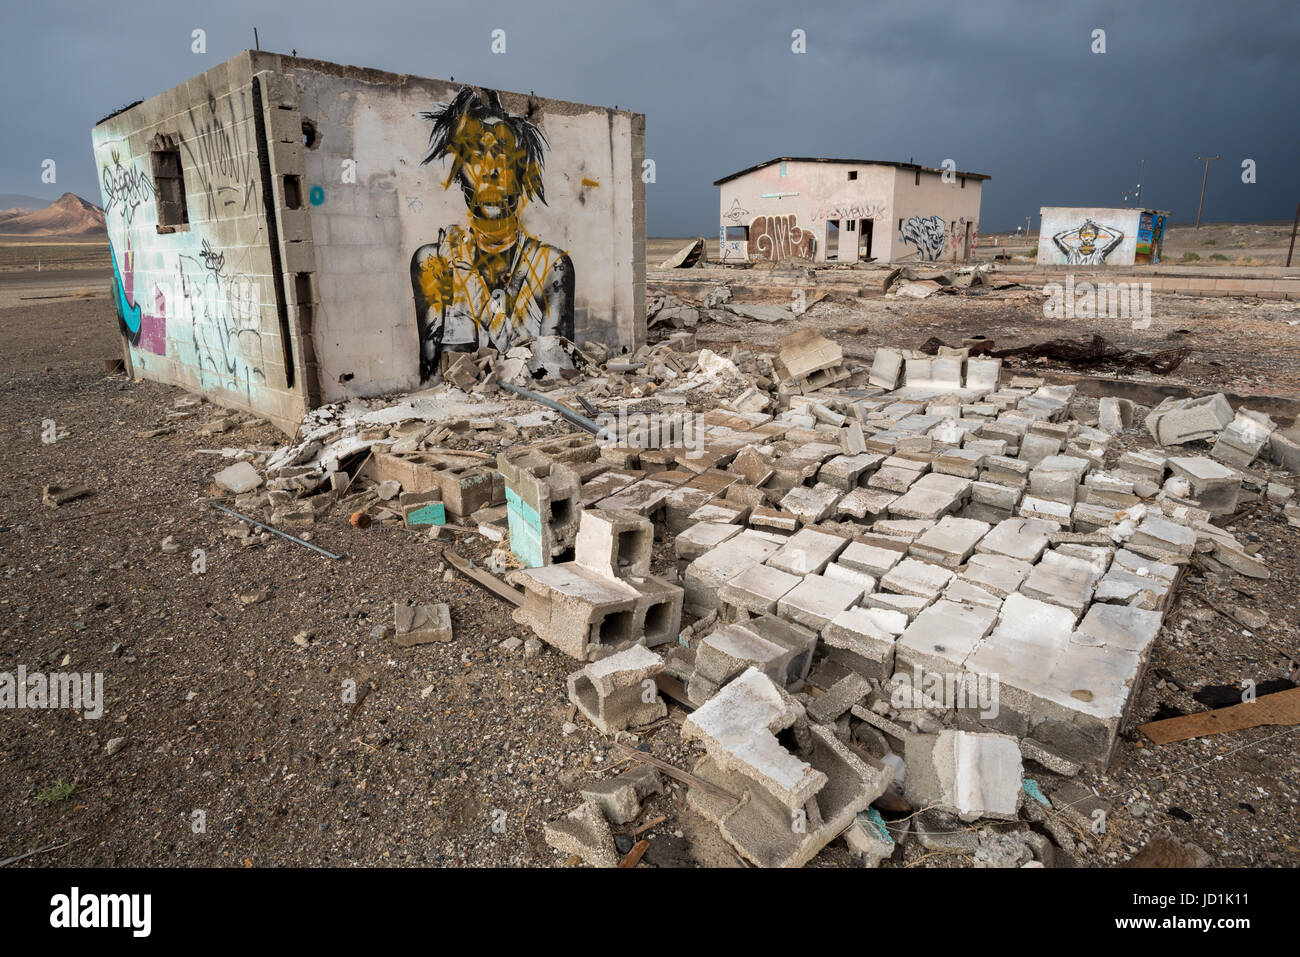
pixel 128 312
pixel 316 195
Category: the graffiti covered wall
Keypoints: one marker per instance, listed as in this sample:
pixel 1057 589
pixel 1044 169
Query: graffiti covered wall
pixel 447 217
pixel 192 273
pixel 846 211
pixel 1094 236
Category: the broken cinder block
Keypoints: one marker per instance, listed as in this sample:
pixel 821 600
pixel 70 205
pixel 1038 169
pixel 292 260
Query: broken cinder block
pixel 619 692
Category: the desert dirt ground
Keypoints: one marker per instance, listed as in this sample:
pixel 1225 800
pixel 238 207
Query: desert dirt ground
pixel 226 719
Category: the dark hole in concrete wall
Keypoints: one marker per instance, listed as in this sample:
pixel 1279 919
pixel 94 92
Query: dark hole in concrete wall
pixel 293 191
pixel 169 186
pixel 310 135
pixel 345 377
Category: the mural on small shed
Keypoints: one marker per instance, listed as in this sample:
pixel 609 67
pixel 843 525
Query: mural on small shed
pixel 488 282
pixel 1087 244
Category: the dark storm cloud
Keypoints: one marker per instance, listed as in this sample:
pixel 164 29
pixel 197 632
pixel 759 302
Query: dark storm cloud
pixel 1008 88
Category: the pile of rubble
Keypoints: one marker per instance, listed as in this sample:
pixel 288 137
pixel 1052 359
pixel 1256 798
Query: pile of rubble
pixel 900 583
pixel 913 283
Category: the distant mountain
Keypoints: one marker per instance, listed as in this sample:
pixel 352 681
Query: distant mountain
pixel 69 215
pixel 11 201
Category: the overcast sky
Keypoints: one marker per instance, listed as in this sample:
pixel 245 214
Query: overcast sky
pixel 1010 88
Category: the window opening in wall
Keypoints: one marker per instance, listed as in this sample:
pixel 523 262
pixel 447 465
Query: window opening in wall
pixel 168 185
pixel 853 174
pixel 918 178
pixel 293 191
pixel 738 234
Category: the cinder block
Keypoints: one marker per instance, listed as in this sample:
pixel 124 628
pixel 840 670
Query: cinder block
pixel 619 692
pixel 614 543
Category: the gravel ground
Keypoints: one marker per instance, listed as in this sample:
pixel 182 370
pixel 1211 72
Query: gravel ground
pixel 222 712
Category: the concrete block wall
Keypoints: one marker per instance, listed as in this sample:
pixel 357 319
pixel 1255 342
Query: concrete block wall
pixel 372 204
pixel 197 303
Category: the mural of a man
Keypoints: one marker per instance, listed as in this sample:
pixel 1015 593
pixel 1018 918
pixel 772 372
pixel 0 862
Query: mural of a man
pixel 1088 244
pixel 488 283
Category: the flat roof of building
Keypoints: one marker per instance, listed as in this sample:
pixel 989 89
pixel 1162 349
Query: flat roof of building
pixel 845 162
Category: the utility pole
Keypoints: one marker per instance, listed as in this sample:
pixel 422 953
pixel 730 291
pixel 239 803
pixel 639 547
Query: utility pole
pixel 1294 226
pixel 1207 160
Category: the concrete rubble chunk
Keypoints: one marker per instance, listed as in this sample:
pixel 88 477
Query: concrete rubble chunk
pixel 584 833
pixel 1024 539
pixel 619 798
pixel 618 692
pixel 976 775
pixel 839 698
pixel 1115 414
pixel 860 638
pixel 1179 421
pixel 786 806
pixel 238 478
pixel 421 624
pixel 868 838
pixel 1243 438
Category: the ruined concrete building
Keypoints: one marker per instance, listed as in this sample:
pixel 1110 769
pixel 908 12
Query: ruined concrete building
pixel 287 232
pixel 1092 236
pixel 836 210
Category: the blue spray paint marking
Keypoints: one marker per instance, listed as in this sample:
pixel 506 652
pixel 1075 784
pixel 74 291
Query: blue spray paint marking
pixel 878 825
pixel 435 513
pixel 316 195
pixel 1034 791
pixel 525 530
pixel 128 313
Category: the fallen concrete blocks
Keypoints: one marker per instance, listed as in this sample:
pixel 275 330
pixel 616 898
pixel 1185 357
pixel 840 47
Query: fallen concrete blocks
pixel 784 806
pixel 619 692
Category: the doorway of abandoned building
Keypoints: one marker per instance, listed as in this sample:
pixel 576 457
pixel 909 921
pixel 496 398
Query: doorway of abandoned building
pixel 864 239
pixel 832 240
pixel 966 244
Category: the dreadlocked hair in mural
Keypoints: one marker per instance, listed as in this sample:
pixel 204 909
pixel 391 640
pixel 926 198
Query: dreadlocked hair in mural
pixel 450 120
